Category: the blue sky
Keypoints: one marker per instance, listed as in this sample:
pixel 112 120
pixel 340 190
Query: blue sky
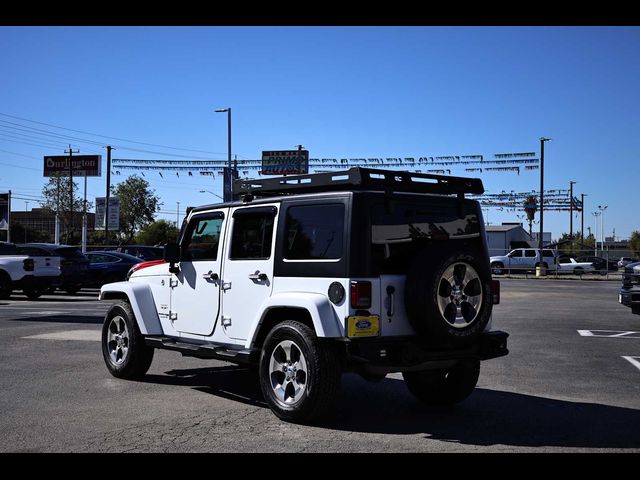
pixel 342 92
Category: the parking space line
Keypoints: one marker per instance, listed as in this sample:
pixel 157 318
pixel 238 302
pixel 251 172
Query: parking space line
pixel 635 361
pixel 81 335
pixel 609 333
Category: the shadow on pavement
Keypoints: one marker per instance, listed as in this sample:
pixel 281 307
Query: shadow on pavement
pixel 487 417
pixel 84 319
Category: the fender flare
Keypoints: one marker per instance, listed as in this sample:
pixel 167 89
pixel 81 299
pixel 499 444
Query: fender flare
pixel 141 300
pixel 326 322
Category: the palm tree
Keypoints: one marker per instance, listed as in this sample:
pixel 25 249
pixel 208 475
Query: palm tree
pixel 530 208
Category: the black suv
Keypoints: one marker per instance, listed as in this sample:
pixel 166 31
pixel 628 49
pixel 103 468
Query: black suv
pixel 74 266
pixel 630 292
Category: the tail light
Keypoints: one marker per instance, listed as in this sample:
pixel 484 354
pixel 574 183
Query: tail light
pixel 495 291
pixel 360 294
pixel 28 265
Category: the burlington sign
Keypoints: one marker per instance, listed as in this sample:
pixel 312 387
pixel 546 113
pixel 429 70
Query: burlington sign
pixel 89 165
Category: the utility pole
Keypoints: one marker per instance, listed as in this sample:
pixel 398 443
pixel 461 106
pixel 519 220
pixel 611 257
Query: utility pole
pixel 595 229
pixel 582 195
pixel 70 152
pixel 571 182
pixel 178 215
pixel 106 204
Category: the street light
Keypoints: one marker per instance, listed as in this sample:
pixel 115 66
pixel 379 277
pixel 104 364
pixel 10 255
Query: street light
pixel 227 178
pixel 595 230
pixel 209 191
pixel 542 140
pixel 571 183
pixel 602 209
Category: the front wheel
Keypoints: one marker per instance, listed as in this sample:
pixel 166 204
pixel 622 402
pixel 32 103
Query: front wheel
pixel 123 347
pixel 444 387
pixel 5 286
pixel 299 376
pixel 33 293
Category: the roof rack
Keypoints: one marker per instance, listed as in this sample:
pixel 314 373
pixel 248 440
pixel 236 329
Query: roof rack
pixel 358 178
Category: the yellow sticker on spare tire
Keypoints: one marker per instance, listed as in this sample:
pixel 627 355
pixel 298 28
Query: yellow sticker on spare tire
pixel 363 326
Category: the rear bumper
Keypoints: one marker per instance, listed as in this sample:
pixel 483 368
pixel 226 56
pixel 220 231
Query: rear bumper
pixel 31 281
pixel 392 354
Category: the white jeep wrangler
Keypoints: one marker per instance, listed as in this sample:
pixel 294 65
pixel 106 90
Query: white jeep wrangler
pixel 308 276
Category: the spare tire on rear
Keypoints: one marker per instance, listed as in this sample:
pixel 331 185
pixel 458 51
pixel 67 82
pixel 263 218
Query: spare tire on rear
pixel 447 297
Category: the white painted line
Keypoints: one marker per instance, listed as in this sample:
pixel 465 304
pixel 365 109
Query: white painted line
pixel 609 333
pixel 635 361
pixel 81 335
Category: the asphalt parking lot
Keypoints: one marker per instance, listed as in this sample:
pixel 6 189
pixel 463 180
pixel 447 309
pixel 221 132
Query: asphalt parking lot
pixel 570 383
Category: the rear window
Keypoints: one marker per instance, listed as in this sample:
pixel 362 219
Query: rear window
pixel 8 249
pixel 69 252
pixel 400 229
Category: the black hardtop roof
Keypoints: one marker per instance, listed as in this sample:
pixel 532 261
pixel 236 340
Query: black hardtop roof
pixel 355 179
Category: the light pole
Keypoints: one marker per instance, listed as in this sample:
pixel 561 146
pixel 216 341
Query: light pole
pixel 209 191
pixel 228 176
pixel 540 244
pixel 26 211
pixel 602 209
pixel 595 231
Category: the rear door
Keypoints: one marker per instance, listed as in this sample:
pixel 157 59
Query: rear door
pixel 248 268
pixel 195 290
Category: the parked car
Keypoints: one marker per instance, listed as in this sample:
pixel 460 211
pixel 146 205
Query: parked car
pixel 602 265
pixel 624 261
pixel 145 252
pixel 108 267
pixel 73 264
pixel 522 260
pixel 630 292
pixel 31 274
pixel 571 265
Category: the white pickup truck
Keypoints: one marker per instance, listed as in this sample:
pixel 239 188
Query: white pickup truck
pixel 31 274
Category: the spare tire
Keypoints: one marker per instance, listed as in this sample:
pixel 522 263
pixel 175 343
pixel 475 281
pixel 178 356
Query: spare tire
pixel 447 297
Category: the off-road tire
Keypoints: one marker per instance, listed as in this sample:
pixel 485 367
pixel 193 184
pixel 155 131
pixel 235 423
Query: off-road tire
pixel 33 293
pixel 321 378
pixel 5 286
pixel 449 315
pixel 444 387
pixel 136 360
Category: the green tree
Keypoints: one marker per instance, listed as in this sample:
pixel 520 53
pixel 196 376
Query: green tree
pixel 634 243
pixel 57 198
pixel 138 206
pixel 575 246
pixel 157 233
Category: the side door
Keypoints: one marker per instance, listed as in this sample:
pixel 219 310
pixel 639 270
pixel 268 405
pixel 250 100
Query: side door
pixel 195 290
pixel 530 259
pixel 550 258
pixel 248 268
pixel 515 259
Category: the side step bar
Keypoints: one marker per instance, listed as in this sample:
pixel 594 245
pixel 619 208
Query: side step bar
pixel 205 351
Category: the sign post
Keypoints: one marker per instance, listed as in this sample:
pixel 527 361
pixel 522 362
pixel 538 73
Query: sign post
pixel 283 162
pixel 114 213
pixel 5 213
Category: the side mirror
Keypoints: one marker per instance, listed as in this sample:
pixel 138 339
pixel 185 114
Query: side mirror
pixel 171 255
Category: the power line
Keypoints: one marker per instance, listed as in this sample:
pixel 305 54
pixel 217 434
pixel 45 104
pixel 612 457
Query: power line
pixel 112 138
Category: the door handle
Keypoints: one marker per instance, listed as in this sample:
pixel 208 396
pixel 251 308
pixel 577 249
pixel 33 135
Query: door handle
pixel 258 276
pixel 211 276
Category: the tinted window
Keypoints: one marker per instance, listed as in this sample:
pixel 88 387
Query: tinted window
pixel 400 229
pixel 314 232
pixel 102 258
pixel 69 252
pixel 252 234
pixel 530 253
pixel 8 249
pixel 203 238
pixel 515 254
pixel 547 253
pixel 33 251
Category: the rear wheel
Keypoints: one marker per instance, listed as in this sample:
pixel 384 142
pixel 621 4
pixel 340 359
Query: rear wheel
pixel 444 387
pixel 5 286
pixel 497 268
pixel 299 377
pixel 123 347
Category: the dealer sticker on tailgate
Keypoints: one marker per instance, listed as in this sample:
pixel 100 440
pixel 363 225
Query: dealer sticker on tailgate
pixel 359 326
